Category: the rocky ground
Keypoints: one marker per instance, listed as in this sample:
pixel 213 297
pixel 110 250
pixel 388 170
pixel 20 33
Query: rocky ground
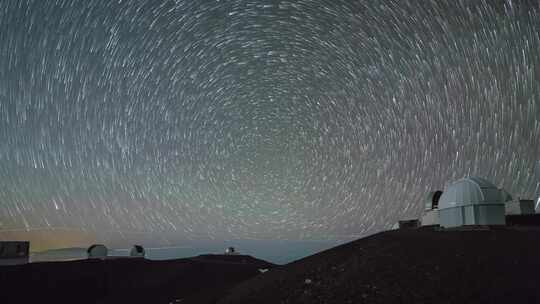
pixel 482 265
pixel 473 265
pixel 127 280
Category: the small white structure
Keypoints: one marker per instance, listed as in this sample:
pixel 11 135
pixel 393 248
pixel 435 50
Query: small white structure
pixel 97 251
pixel 137 251
pixel 472 201
pixel 14 252
pixel 431 211
pixel 519 206
pixel 231 251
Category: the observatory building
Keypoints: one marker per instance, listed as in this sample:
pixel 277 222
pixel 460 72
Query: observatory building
pixel 14 252
pixel 231 251
pixel 519 207
pixel 137 251
pixel 97 251
pixel 476 201
pixel 472 201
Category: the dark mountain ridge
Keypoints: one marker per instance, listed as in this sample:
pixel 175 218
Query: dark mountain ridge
pixel 126 280
pixel 473 265
pixel 426 265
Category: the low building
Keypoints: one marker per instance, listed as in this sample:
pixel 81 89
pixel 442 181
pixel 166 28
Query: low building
pixel 409 224
pixel 519 206
pixel 14 252
pixel 472 201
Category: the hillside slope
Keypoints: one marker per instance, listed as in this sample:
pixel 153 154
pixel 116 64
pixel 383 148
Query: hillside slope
pixel 497 265
pixel 126 280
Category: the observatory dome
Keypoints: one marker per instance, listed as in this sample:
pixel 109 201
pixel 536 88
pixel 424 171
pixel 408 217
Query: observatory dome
pixel 472 201
pixel 97 251
pixel 137 251
pixel 472 191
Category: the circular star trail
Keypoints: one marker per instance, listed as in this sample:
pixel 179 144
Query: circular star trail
pixel 259 119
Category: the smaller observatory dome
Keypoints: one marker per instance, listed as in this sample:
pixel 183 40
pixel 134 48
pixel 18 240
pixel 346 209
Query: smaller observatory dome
pixel 231 251
pixel 137 251
pixel 472 201
pixel 97 251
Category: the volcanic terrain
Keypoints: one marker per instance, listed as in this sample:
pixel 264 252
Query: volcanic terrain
pixel 474 265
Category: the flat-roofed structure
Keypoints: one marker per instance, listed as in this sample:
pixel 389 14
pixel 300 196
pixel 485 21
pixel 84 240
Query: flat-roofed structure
pixel 519 206
pixel 409 224
pixel 14 252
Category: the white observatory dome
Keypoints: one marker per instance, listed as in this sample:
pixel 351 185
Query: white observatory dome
pixel 137 251
pixel 472 201
pixel 472 191
pixel 97 251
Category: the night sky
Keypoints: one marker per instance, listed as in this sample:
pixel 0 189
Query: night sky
pixel 297 120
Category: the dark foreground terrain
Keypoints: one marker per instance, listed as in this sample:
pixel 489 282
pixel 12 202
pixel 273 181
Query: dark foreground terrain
pixel 493 265
pixel 127 280
pixel 482 265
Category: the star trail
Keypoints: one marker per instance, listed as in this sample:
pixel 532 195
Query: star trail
pixel 259 119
